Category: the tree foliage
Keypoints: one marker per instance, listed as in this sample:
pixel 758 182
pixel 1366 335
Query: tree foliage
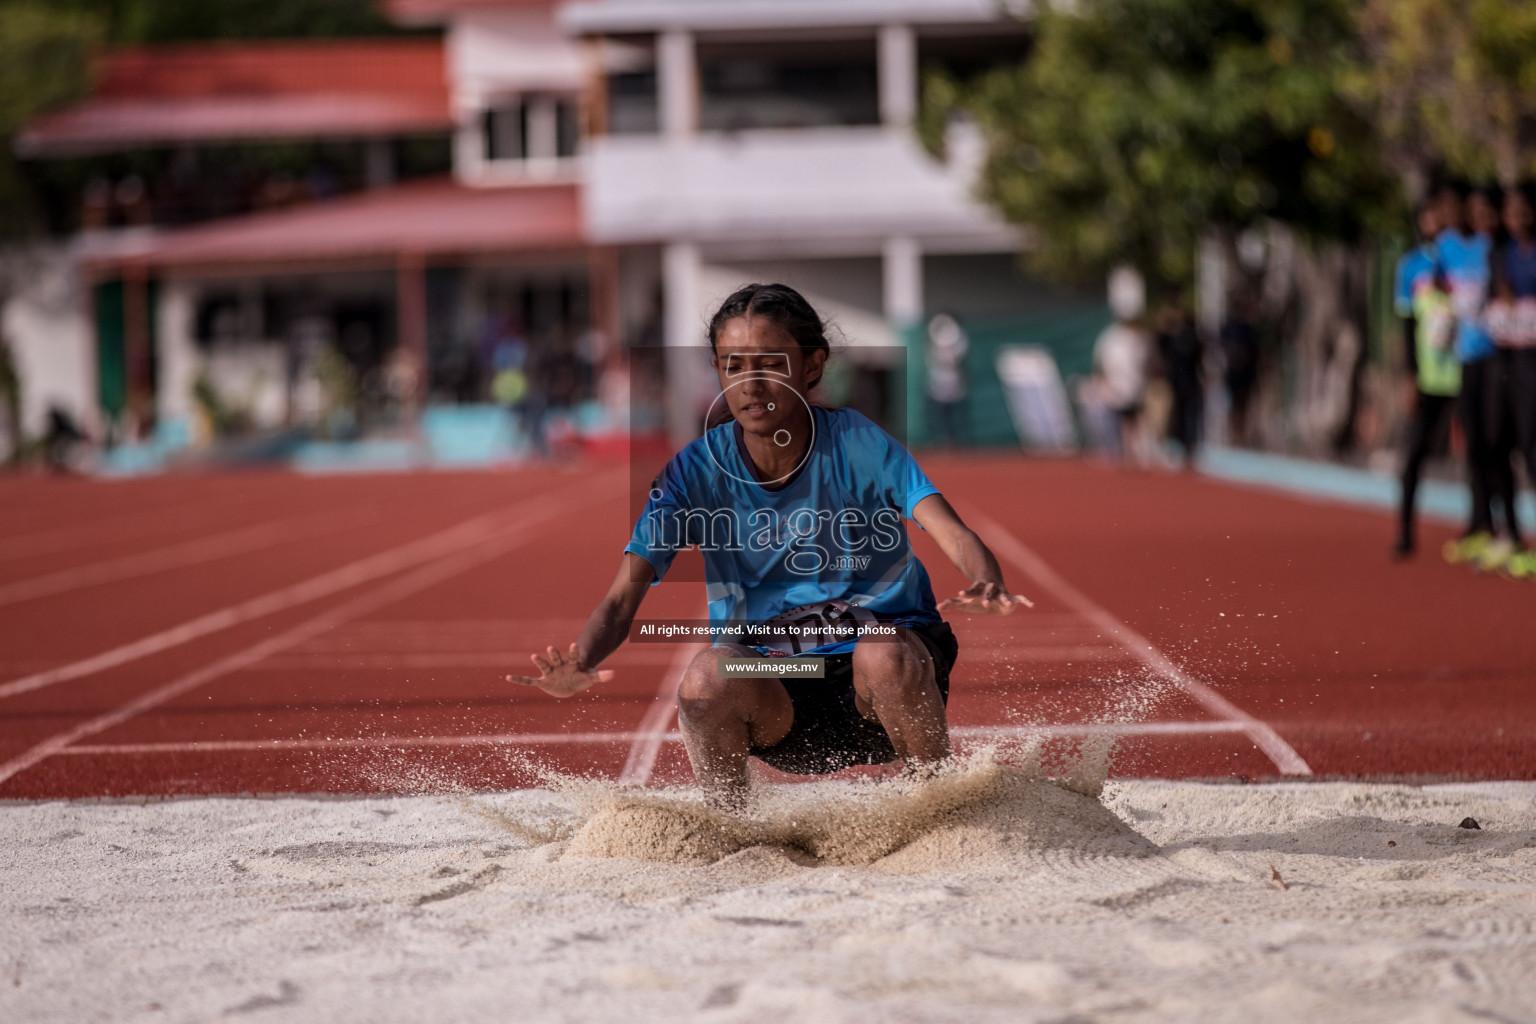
pixel 43 64
pixel 43 51
pixel 1456 84
pixel 1136 125
pixel 168 21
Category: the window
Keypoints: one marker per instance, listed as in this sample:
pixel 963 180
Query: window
pixel 799 84
pixel 505 129
pixel 629 63
pixel 632 103
pixel 531 127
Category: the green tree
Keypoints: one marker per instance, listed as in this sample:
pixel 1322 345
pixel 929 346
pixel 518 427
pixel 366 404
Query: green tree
pixel 1136 129
pixel 1135 126
pixel 43 64
pixel 146 21
pixel 1456 85
pixel 169 21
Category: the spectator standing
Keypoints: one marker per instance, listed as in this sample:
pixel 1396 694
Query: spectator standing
pixel 1240 352
pixel 946 383
pixel 64 436
pixel 1178 344
pixel 1512 322
pixel 1120 357
pixel 1464 246
pixel 1429 328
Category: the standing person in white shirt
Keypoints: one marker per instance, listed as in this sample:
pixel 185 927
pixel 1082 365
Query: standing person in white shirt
pixel 1120 357
pixel 947 346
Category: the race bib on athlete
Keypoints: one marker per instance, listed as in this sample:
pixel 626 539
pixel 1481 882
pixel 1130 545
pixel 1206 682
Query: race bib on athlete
pixel 809 627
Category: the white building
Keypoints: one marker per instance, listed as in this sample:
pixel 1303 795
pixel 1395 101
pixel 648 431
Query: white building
pixel 631 162
pixel 740 140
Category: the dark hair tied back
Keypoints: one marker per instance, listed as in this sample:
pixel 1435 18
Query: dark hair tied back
pixel 781 306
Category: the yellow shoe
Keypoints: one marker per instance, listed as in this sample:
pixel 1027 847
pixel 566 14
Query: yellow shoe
pixel 1521 566
pixel 1465 549
pixel 1494 556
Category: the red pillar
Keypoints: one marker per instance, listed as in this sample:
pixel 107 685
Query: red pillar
pixel 136 349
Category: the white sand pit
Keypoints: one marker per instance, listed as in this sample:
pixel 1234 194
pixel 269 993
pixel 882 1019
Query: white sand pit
pixel 983 896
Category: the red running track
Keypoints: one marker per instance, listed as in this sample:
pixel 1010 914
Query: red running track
pixel 277 633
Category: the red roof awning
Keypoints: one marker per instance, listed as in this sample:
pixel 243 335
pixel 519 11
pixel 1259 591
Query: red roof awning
pixel 227 92
pixel 421 220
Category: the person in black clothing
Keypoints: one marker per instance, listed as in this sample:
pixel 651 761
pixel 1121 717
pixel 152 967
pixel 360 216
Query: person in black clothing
pixel 1434 389
pixel 1240 350
pixel 1514 283
pixel 1511 318
pixel 61 440
pixel 1488 419
pixel 1179 346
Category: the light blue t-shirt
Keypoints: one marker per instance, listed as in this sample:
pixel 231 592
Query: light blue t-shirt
pixel 1464 258
pixel 833 531
pixel 1415 269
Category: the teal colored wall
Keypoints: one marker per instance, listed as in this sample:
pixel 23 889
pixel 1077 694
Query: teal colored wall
pixel 1068 332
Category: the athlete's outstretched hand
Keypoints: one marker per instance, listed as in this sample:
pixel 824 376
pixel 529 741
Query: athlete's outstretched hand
pixel 985 599
pixel 562 675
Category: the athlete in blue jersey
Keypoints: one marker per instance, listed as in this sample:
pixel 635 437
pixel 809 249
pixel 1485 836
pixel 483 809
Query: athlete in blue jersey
pixel 799 513
pixel 1415 269
pixel 1435 370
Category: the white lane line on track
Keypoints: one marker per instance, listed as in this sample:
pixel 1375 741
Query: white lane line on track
pixel 306 661
pixel 1263 735
pixel 643 749
pixel 447 565
pixel 1055 655
pixel 1097 729
pixel 127 527
pixel 657 737
pixel 448 635
pixel 456 538
pixel 179 556
pixel 343 660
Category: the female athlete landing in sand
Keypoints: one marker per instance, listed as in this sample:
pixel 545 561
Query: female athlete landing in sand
pixel 798 512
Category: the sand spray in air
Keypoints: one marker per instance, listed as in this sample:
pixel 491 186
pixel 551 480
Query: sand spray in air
pixel 1009 791
pixel 988 801
pixel 535 826
pixel 1082 763
pixel 976 808
pixel 988 798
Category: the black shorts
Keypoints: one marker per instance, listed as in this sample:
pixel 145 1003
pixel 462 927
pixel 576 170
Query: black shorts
pixel 828 733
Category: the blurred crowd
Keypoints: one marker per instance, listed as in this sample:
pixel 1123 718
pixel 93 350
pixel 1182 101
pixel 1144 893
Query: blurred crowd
pixel 1149 382
pixel 536 382
pixel 1467 295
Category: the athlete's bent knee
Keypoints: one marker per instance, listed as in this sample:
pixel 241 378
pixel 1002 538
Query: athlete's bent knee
pixel 897 667
pixel 703 687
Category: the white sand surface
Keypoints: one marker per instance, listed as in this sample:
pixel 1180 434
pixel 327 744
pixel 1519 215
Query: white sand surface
pixel 983 896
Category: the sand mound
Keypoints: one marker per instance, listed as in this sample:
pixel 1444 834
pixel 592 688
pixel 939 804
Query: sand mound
pixel 978 813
